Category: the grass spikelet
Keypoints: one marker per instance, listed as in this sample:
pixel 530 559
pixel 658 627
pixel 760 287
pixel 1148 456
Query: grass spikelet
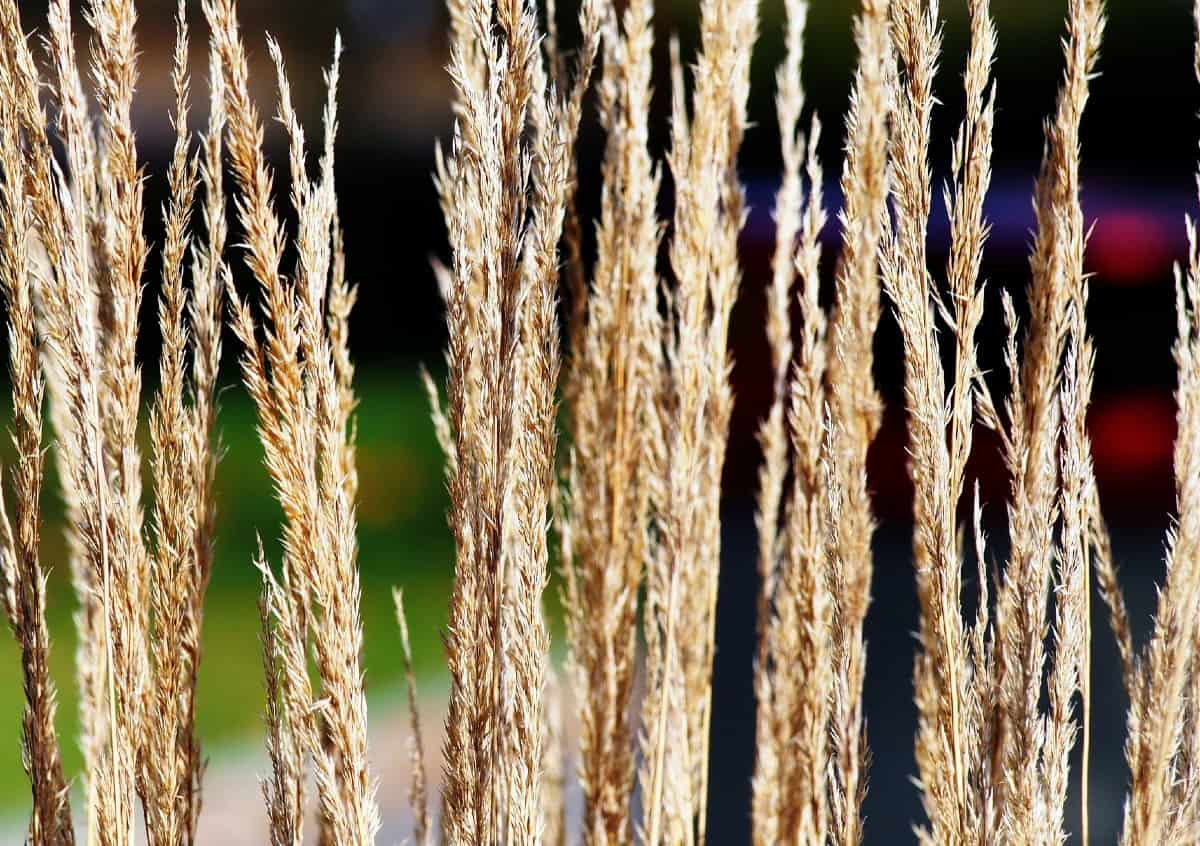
pixel 1157 715
pixel 302 406
pixel 22 574
pixel 504 192
pixel 611 393
pixel 170 760
pixel 76 130
pixel 953 671
pixel 140 595
pixel 942 661
pixel 794 681
pixel 855 403
pixel 696 397
pixel 1030 807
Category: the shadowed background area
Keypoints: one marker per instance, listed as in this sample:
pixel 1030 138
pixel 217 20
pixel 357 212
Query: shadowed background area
pixel 1139 152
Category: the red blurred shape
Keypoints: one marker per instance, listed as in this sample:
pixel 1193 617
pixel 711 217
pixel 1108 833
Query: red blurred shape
pixel 1133 435
pixel 1130 247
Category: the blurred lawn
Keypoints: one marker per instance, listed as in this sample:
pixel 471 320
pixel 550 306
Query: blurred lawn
pixel 403 541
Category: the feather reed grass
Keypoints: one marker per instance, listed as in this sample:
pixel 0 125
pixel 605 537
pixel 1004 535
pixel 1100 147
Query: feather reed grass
pixel 304 401
pixel 1002 697
pixel 992 762
pixel 947 699
pixel 855 404
pixel 22 574
pixel 504 195
pixel 815 569
pixel 140 591
pixel 695 402
pixel 612 390
pixel 795 689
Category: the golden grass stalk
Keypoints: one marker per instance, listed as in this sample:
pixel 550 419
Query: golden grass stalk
pixel 611 394
pixel 71 324
pixel 815 569
pixel 503 192
pixel 22 574
pixel 170 763
pixel 695 407
pixel 117 466
pixel 1161 806
pixel 1033 749
pixel 942 660
pixel 768 783
pixel 210 276
pixel 971 166
pixel 574 271
pixel 114 69
pixel 812 610
pixel 288 721
pixel 952 674
pixel 140 602
pixel 794 682
pixel 303 408
pixel 1071 607
pixel 206 307
pixel 800 633
pixel 854 402
pixel 76 130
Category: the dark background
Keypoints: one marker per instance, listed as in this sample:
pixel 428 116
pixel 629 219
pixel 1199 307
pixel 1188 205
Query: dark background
pixel 1139 152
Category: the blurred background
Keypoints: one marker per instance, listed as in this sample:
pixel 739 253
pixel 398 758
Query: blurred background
pixel 1139 151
